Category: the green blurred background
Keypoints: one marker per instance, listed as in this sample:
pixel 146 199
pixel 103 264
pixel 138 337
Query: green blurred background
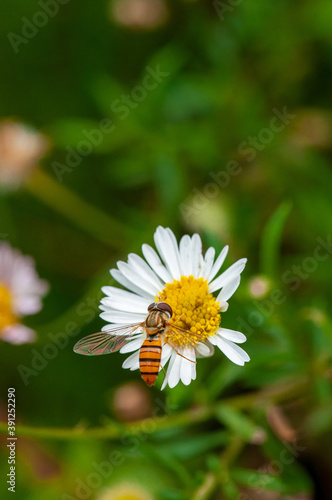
pixel 225 70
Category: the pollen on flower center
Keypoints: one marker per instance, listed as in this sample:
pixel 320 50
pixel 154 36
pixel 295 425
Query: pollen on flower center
pixel 6 316
pixel 195 310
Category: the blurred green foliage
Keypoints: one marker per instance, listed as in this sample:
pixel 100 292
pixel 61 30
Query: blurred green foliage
pixel 202 151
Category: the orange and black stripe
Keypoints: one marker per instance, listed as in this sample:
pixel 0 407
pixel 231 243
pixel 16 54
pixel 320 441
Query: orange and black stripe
pixel 149 359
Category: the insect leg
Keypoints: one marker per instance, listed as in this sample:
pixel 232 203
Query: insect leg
pixel 191 361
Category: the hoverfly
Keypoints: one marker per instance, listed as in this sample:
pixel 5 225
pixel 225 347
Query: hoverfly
pixel 156 323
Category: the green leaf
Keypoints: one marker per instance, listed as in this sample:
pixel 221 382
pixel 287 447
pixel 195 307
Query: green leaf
pixel 271 238
pixel 190 447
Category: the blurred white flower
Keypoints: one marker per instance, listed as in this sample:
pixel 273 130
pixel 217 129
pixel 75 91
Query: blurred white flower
pixel 20 294
pixel 132 402
pixel 139 14
pixel 313 128
pixel 21 148
pixel 259 287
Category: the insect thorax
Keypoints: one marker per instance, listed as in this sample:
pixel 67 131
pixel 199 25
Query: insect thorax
pixel 156 320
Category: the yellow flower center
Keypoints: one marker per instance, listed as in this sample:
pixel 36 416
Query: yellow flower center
pixel 195 310
pixel 6 316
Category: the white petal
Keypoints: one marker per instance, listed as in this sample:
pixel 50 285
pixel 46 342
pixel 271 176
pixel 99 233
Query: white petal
pixel 204 350
pixel 208 260
pixel 223 306
pixel 132 275
pixel 232 335
pixel 218 263
pixel 229 289
pixel 167 373
pixel 228 275
pixel 18 274
pixel 144 270
pixel 186 365
pixel 25 304
pixel 169 369
pixel 18 334
pixel 132 362
pixel 165 354
pixel 114 316
pixel 185 373
pixel 193 371
pixel 133 345
pixel 123 305
pixel 167 247
pixel 118 276
pixel 124 301
pixel 155 263
pixel 232 351
pixel 175 243
pixel 197 259
pixel 174 375
pixel 185 249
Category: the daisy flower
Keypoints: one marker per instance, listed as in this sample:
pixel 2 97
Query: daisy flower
pixel 20 294
pixel 186 280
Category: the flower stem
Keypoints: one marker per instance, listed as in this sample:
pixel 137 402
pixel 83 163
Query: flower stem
pixel 277 394
pixel 207 487
pixel 212 479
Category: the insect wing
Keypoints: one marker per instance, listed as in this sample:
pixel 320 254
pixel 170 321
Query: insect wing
pixel 107 341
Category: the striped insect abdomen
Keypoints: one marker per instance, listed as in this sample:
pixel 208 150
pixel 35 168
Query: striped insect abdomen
pixel 149 359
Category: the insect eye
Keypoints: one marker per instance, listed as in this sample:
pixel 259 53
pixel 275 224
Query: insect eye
pixel 165 307
pixel 151 306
